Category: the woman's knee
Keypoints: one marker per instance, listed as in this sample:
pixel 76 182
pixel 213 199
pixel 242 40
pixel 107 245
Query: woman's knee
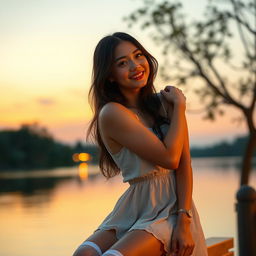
pixel 139 242
pixel 112 253
pixel 88 248
pixel 80 252
pixel 98 242
pixel 85 252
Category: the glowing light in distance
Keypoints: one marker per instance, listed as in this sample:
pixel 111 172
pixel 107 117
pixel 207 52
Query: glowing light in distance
pixel 83 157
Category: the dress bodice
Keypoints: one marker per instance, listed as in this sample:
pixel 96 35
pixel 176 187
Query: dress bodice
pixel 131 165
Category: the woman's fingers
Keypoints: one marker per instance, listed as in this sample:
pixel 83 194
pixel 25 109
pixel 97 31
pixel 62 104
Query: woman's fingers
pixel 186 250
pixel 179 249
pixel 170 87
pixel 183 249
pixel 173 95
pixel 190 249
pixel 174 246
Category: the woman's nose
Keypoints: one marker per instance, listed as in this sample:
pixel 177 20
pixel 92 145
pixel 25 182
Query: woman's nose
pixel 133 65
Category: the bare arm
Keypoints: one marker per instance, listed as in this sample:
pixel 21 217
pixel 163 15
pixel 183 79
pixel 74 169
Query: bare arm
pixel 182 237
pixel 184 178
pixel 119 124
pixel 182 240
pixel 178 121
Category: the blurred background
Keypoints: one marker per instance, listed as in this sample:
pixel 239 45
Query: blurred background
pixel 52 195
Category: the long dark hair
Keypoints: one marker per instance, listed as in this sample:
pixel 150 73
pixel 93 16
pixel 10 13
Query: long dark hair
pixel 103 91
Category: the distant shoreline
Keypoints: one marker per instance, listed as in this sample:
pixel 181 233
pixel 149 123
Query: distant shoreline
pixel 32 147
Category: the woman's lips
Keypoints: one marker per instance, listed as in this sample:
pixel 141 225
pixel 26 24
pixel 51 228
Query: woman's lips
pixel 138 76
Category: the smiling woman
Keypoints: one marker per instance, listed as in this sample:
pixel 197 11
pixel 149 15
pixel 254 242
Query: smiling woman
pixel 131 67
pixel 143 135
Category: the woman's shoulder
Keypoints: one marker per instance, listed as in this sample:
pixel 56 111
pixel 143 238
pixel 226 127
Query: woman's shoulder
pixel 113 111
pixel 111 108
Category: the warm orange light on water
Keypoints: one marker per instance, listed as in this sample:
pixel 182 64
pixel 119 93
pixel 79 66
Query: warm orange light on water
pixel 75 157
pixel 83 157
pixel 83 171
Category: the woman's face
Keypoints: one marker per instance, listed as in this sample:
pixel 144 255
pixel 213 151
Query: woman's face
pixel 130 69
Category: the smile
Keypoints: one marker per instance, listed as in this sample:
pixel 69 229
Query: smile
pixel 138 76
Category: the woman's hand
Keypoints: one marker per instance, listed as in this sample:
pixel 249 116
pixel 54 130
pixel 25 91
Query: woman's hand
pixel 182 243
pixel 174 95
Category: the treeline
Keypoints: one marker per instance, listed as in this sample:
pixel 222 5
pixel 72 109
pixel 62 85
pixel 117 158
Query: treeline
pixel 222 149
pixel 32 147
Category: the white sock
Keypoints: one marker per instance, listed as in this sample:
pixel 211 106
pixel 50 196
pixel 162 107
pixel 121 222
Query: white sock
pixel 112 252
pixel 93 245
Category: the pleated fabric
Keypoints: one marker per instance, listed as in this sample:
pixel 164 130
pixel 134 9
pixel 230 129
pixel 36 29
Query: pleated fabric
pixel 150 203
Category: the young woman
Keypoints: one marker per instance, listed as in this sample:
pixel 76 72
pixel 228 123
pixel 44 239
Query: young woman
pixel 143 135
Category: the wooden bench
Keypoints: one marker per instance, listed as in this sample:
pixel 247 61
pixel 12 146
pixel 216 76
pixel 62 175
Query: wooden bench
pixel 220 246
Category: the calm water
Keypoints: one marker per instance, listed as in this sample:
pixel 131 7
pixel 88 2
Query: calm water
pixel 50 212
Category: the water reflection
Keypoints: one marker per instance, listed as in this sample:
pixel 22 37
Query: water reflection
pixel 37 187
pixel 223 164
pixel 29 186
pixel 54 210
pixel 83 171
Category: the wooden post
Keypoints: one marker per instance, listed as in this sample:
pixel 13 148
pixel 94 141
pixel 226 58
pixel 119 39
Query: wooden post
pixel 246 217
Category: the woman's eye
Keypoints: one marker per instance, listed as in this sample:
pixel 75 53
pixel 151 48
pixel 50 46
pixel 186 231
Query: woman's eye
pixel 122 63
pixel 139 54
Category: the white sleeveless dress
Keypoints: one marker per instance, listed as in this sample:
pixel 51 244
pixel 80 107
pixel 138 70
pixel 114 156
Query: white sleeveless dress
pixel 150 202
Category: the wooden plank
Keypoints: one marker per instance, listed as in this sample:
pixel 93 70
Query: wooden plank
pixel 229 254
pixel 220 246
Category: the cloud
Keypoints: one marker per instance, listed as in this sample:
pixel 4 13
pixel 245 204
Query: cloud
pixel 78 92
pixel 46 101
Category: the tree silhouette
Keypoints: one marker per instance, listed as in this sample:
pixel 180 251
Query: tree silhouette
pixel 206 50
pixel 32 147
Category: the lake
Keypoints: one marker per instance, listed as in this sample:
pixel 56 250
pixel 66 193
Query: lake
pixel 50 212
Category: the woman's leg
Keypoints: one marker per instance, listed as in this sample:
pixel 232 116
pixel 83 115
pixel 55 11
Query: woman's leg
pixel 97 243
pixel 137 243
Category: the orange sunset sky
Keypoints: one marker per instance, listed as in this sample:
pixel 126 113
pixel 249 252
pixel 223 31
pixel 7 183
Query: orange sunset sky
pixel 46 50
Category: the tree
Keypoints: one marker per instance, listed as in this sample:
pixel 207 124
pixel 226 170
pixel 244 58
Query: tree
pixel 205 51
pixel 32 147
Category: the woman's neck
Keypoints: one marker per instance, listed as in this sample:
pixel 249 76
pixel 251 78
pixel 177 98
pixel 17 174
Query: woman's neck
pixel 132 100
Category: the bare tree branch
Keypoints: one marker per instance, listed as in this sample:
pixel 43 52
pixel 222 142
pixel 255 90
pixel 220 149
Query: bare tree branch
pixel 246 47
pixel 214 87
pixel 245 24
pixel 224 87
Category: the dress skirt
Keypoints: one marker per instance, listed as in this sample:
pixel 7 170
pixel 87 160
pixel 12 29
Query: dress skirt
pixel 150 204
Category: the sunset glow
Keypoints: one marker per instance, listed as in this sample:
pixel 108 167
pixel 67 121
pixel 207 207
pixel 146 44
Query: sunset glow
pixel 46 64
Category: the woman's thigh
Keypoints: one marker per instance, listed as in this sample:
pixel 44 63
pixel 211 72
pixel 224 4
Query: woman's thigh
pixel 102 238
pixel 138 243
